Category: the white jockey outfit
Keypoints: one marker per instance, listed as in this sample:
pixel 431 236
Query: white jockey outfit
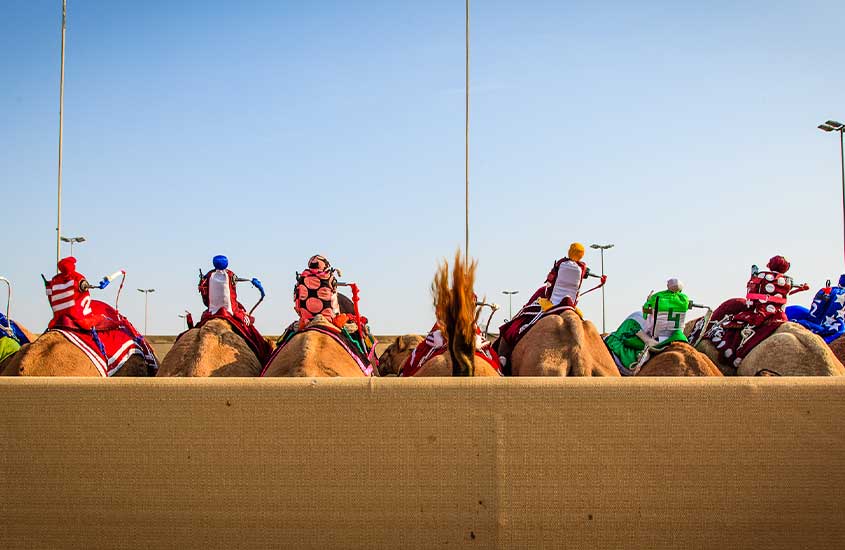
pixel 570 274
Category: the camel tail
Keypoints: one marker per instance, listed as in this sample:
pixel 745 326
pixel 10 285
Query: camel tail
pixel 455 309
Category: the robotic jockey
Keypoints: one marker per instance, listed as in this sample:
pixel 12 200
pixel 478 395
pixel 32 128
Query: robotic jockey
pixel 69 296
pixel 826 316
pixel 660 323
pixel 563 283
pixel 218 289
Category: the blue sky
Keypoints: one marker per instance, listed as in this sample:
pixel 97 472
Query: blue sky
pixel 684 133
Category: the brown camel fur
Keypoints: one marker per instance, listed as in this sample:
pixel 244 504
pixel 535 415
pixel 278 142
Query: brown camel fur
pixel 30 336
pixel 214 349
pixel 442 366
pixel 562 345
pixel 838 348
pixel 52 355
pixel 313 353
pixel 394 356
pixel 679 359
pixel 791 350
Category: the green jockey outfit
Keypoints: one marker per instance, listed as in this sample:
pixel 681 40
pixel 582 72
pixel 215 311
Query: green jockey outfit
pixel 8 346
pixel 660 323
pixel 665 314
pixel 625 344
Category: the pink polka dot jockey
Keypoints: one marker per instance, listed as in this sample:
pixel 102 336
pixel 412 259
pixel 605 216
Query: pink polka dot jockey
pixel 315 292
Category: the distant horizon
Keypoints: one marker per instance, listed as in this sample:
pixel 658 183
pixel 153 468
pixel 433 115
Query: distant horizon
pixel 685 135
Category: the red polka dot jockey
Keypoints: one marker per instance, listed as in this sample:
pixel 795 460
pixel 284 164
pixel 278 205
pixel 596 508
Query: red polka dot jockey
pixel 315 292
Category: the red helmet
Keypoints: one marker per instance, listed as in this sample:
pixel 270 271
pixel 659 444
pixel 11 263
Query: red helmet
pixel 67 265
pixel 779 264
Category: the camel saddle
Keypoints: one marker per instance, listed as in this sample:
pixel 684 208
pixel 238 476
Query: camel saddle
pixel 345 336
pixel 435 344
pixel 110 341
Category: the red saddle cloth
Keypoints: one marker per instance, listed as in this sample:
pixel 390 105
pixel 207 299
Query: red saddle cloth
pixel 111 341
pixel 366 361
pixel 245 328
pixel 435 344
pixel 737 328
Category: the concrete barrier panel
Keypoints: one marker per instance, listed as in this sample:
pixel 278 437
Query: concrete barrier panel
pixel 492 463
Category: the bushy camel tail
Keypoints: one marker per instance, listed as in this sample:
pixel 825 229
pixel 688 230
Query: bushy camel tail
pixel 455 309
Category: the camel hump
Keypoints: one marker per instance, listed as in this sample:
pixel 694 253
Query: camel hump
pixel 792 350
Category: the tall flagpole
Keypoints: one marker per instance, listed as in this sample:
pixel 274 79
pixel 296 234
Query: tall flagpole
pixel 61 128
pixel 466 140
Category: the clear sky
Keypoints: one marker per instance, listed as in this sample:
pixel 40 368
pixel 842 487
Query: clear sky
pixel 683 132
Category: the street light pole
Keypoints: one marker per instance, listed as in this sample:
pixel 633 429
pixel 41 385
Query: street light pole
pixel 72 240
pixel 510 293
pixel 834 126
pixel 602 248
pixel 146 308
pixel 61 128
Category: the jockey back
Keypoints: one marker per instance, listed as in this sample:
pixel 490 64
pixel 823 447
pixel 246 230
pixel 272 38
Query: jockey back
pixel 69 296
pixel 565 280
pixel 218 289
pixel 666 313
pixel 315 292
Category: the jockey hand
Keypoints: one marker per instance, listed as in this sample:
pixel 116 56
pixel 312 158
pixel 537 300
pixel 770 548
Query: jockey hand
pixel 647 339
pixel 603 279
pixel 104 283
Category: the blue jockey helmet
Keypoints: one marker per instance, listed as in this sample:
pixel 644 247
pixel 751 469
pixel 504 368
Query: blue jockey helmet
pixel 842 280
pixel 220 262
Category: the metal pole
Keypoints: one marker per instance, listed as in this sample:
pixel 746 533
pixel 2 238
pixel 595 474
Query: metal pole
pixel 602 292
pixel 61 129
pixel 146 312
pixel 510 309
pixel 842 161
pixel 466 141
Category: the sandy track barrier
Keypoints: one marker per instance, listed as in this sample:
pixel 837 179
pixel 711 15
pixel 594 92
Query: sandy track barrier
pixel 305 463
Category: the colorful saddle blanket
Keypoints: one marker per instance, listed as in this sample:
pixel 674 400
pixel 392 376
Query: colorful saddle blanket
pixel 10 329
pixel 111 341
pixel 435 344
pixel 245 329
pixel 737 327
pixel 364 357
pixel 826 316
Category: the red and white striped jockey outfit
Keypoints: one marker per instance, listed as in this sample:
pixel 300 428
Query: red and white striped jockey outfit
pixel 67 299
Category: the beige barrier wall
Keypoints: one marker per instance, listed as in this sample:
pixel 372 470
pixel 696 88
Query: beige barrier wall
pixel 642 463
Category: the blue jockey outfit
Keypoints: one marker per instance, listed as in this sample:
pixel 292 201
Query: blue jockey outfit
pixel 826 316
pixel 11 337
pixel 10 328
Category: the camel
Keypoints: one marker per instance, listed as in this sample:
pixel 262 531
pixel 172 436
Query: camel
pixel 214 349
pixel 51 354
pixel 791 350
pixel 679 359
pixel 562 345
pixel 394 356
pixel 312 353
pixel 457 317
